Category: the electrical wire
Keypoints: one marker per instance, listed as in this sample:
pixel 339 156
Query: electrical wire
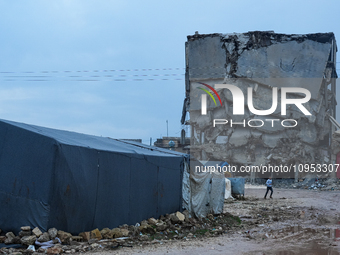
pixel 107 75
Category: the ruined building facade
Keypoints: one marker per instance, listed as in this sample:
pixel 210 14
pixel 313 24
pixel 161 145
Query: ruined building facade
pixel 261 61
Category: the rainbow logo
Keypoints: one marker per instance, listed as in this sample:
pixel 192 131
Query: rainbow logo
pixel 213 90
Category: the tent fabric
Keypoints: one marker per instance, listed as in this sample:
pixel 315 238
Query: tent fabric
pixel 207 190
pixel 186 192
pixel 227 193
pixel 237 186
pixel 77 182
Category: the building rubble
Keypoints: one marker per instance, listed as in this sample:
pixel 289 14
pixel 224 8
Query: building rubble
pixel 261 61
pixel 169 227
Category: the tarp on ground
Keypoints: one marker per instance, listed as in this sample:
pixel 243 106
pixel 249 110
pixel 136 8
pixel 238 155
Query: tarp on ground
pixel 77 182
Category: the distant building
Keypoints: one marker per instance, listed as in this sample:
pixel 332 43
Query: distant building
pixel 132 140
pixel 174 143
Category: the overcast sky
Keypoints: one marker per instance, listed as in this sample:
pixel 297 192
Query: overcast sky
pixel 91 66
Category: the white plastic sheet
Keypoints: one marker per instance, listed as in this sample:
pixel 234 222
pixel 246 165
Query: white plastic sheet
pixel 227 189
pixel 207 191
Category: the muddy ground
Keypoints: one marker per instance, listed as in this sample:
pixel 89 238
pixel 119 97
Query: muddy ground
pixel 295 221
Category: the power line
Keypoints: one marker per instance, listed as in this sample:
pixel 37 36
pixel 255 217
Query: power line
pixel 118 75
pixel 95 80
pixel 115 75
pixel 114 70
pixel 153 77
pixel 94 71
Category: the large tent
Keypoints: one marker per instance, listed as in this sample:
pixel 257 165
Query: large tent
pixel 77 182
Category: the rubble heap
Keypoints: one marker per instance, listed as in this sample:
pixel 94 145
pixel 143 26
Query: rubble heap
pixel 261 61
pixel 309 182
pixel 169 227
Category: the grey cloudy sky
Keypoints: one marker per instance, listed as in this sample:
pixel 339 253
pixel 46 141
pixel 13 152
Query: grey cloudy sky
pixel 64 63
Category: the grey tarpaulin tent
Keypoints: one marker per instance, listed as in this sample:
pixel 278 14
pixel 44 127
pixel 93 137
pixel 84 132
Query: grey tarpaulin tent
pixel 203 191
pixel 76 182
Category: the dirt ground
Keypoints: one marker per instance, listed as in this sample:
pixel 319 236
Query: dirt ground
pixel 295 221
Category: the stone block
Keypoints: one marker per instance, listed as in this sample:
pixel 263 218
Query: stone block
pixel 116 232
pixel 26 228
pixel 124 232
pixel 25 233
pixel 28 240
pixel 37 232
pixel 2 239
pixel 64 236
pixel 54 250
pixel 106 233
pixel 86 236
pixel 152 221
pixel 180 216
pixel 53 233
pixel 96 234
pixel 9 238
pixel 45 237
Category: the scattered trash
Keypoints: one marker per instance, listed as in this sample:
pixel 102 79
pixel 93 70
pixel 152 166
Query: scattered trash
pixel 31 248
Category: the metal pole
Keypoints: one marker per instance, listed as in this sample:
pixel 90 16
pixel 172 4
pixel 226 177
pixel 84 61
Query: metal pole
pixel 167 129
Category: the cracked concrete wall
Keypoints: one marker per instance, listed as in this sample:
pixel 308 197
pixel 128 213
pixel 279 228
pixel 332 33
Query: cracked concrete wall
pixel 261 60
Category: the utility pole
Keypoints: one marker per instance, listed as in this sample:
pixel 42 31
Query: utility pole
pixel 167 128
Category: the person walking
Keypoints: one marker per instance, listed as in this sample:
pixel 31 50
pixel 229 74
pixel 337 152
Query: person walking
pixel 269 183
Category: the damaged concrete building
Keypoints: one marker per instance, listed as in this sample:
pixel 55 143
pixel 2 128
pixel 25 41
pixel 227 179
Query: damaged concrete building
pixel 265 67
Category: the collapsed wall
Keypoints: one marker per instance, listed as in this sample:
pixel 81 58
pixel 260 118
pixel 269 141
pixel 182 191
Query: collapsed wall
pixel 261 61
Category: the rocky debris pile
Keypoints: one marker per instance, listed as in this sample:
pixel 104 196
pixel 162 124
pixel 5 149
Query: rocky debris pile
pixel 169 227
pixel 310 183
pixel 318 184
pixel 278 183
